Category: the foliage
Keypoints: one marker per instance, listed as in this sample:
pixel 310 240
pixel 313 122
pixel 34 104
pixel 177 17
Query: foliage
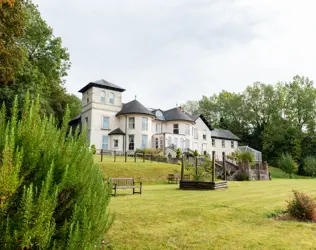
pixel 154 151
pixel 196 153
pixel 287 164
pixel 302 207
pixel 12 29
pixel 33 59
pixel 93 149
pixel 242 156
pixel 242 176
pixel 309 164
pixel 273 119
pixel 52 195
pixel 139 151
pixel 178 153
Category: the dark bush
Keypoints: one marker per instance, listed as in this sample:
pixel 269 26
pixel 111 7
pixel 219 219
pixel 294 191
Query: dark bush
pixel 302 207
pixel 242 176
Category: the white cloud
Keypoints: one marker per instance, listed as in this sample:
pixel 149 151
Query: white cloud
pixel 168 52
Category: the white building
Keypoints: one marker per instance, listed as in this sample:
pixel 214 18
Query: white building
pixel 113 125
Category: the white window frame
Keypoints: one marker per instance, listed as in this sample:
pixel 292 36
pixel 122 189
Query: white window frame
pixel 195 133
pixel 161 142
pixel 103 122
pixel 131 123
pixel 204 134
pixel 102 98
pixel 223 144
pixel 158 128
pixel 114 141
pixel 131 142
pixel 105 146
pixel 232 144
pixel 111 98
pixel 187 129
pixel 144 124
pixel 213 142
pixel 176 129
pixel 156 143
pixel 144 141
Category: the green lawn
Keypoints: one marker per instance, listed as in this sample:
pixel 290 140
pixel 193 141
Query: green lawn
pixel 164 217
pixel 154 172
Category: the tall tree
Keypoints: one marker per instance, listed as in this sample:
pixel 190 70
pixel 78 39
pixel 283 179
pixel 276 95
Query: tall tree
pixel 11 30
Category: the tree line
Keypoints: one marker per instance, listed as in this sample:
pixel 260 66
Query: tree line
pixel 275 119
pixel 33 59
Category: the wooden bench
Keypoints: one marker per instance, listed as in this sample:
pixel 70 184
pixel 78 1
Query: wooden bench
pixel 173 178
pixel 126 183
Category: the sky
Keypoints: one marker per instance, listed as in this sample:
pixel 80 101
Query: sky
pixel 167 52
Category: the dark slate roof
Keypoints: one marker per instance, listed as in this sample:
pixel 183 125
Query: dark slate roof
pixel 76 119
pixel 117 131
pixel 134 107
pixel 102 84
pixel 176 114
pixel 224 134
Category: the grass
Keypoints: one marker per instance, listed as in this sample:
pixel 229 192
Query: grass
pixel 150 172
pixel 279 174
pixel 164 217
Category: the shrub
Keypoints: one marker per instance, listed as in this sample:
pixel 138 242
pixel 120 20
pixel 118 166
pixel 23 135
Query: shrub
pixel 242 176
pixel 242 156
pixel 93 149
pixel 139 151
pixel 196 153
pixel 154 151
pixel 309 165
pixel 287 164
pixel 178 153
pixel 302 207
pixel 52 195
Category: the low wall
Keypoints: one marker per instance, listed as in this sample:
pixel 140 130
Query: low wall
pixel 201 185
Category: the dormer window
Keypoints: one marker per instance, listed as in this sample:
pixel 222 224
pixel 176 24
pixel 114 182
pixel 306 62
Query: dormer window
pixel 111 98
pixel 102 97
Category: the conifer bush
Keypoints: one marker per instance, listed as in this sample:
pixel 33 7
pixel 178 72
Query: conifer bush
pixel 52 195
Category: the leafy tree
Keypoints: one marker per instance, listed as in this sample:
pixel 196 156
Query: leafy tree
pixel 196 153
pixel 40 64
pixel 309 164
pixel 12 29
pixel 52 195
pixel 287 164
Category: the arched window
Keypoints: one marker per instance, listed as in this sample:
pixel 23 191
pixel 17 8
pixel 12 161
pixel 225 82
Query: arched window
pixel 161 142
pixel 181 144
pixel 175 142
pixel 111 98
pixel 102 97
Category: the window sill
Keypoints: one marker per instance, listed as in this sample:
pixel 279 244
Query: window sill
pixel 105 129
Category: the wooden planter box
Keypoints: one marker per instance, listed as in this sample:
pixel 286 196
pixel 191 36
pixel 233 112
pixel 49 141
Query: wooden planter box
pixel 201 185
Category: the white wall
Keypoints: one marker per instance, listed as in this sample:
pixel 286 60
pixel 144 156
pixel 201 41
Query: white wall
pixel 137 132
pixel 227 149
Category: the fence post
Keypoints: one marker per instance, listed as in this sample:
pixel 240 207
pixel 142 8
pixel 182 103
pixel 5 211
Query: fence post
pixel 224 165
pixel 135 157
pixel 213 166
pixel 101 154
pixel 144 156
pixel 196 166
pixel 114 155
pixel 259 177
pixel 151 157
pixel 182 168
pixel 125 156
